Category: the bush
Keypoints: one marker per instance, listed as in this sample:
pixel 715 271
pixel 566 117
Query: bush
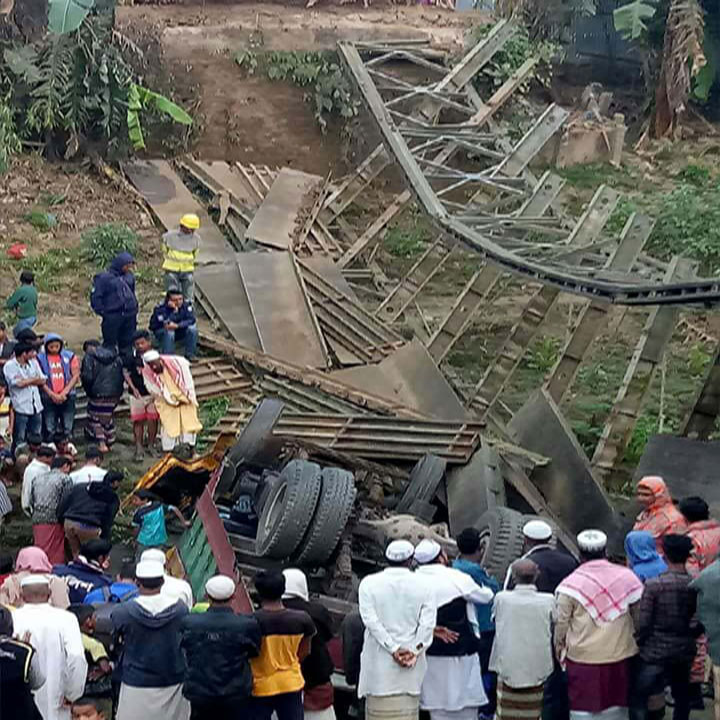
pixel 102 243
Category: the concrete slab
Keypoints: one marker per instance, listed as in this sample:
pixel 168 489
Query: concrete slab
pixel 280 215
pixel 169 200
pixel 689 467
pixel 285 322
pixel 566 482
pixel 330 272
pixel 411 377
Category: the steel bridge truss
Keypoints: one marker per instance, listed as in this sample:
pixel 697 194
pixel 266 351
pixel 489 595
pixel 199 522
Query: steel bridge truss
pixel 475 184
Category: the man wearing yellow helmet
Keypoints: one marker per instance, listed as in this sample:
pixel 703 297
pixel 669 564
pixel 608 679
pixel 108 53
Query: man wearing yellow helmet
pixel 180 247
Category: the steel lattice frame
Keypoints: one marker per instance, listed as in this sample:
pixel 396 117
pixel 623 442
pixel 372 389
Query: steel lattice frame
pixel 474 184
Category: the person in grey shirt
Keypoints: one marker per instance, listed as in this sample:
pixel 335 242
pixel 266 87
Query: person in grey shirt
pixel 24 379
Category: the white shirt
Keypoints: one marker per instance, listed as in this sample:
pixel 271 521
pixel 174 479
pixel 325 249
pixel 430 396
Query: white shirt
pixel 398 611
pixel 25 400
pixel 87 474
pixel 55 635
pixel 177 589
pixel 448 584
pixel 522 651
pixel 34 469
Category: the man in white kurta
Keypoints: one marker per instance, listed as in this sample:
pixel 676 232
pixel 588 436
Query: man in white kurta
pixel 398 611
pixel 55 635
pixel 453 686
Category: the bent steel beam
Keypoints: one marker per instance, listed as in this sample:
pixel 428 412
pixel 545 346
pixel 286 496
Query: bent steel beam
pixel 422 151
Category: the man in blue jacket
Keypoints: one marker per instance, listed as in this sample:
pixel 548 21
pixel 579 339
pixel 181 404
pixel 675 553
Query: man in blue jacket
pixel 174 320
pixel 152 668
pixel 113 298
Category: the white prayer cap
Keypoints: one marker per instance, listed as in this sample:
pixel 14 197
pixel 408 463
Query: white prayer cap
pixel 592 540
pixel 537 530
pixel 399 550
pixel 34 581
pixel 154 555
pixel 149 570
pixel 295 584
pixel 426 551
pixel 220 587
pixel 151 356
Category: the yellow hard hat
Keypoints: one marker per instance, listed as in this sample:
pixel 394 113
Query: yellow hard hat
pixel 190 221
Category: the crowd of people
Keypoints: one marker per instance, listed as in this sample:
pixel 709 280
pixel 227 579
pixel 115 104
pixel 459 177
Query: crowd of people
pixel 41 375
pixel 557 637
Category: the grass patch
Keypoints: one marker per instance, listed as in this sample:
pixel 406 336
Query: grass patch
pixel 103 242
pixel 40 219
pixel 210 413
pixel 588 177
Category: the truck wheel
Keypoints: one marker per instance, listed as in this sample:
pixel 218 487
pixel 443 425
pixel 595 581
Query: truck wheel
pixel 424 480
pixel 501 540
pixel 288 509
pixel 333 511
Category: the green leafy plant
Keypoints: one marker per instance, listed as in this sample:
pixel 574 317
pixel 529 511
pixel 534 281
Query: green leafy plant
pixel 139 99
pixel 630 20
pixel 66 16
pixel 543 355
pixel 697 175
pixel 9 138
pixel 319 72
pixel 645 428
pixel 40 219
pixel 211 412
pixel 103 242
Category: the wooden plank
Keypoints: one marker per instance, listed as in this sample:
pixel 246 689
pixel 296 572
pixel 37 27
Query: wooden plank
pixel 286 325
pixel 370 235
pixel 410 286
pixel 169 200
pixel 593 316
pixel 279 217
pixel 700 422
pixel 462 312
pixel 635 387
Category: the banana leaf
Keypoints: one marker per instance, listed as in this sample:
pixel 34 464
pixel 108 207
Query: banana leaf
pixel 629 20
pixel 65 16
pixel 139 99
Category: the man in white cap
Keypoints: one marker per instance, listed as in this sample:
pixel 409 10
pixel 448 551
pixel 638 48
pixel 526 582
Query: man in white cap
pixel 218 645
pixel 152 669
pixel 169 380
pixel 398 610
pixel 453 687
pixel 594 631
pixel 553 565
pixel 173 588
pixel 55 635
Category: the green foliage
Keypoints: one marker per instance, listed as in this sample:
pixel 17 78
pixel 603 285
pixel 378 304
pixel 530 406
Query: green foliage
pixel 519 48
pixel 103 242
pixel 688 223
pixel 51 269
pixel 408 237
pixel 694 175
pixel 9 139
pixel 630 20
pixel 543 355
pixel 66 16
pixel 589 176
pixel 210 413
pixel 698 359
pixel 40 219
pixel 319 72
pixel 645 428
pixel 77 86
pixel 623 210
pixel 139 99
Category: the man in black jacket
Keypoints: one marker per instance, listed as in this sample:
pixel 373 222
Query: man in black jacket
pixel 89 510
pixel 218 646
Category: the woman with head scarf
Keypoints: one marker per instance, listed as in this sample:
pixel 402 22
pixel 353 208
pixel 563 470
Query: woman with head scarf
pixel 317 668
pixel 642 555
pixel 33 561
pixel 659 516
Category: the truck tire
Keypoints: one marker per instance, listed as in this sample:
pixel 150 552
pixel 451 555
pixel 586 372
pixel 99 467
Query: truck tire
pixel 501 539
pixel 288 510
pixel 333 511
pixel 424 480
